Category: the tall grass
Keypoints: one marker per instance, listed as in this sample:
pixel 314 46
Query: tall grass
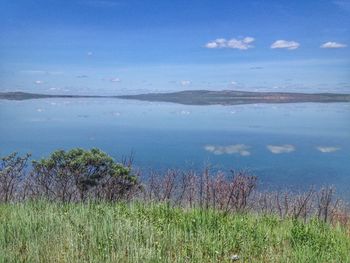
pixel 43 231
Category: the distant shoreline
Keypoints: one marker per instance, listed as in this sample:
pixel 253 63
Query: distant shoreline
pixel 203 97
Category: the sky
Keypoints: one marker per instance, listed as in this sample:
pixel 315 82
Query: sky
pixel 137 46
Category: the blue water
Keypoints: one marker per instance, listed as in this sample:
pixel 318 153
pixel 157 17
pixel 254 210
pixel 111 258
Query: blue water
pixel 309 143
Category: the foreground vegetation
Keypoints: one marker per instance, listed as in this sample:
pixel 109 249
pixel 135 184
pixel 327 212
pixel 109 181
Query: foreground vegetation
pixel 44 231
pixel 82 206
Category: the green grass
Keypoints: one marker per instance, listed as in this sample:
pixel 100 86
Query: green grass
pixel 50 232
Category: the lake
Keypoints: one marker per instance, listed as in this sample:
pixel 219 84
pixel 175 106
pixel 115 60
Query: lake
pixel 286 145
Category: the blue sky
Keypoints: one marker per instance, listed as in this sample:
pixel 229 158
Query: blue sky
pixel 129 46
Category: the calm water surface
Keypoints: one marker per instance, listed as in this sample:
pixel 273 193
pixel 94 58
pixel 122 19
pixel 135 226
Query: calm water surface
pixel 291 145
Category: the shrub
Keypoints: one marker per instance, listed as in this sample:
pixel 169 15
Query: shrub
pixel 79 174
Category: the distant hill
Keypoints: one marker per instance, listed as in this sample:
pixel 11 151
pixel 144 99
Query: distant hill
pixel 204 97
pixel 17 95
pixel 228 97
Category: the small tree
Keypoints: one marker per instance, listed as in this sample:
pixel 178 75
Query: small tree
pixel 75 174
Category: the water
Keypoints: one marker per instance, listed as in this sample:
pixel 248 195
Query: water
pixel 291 145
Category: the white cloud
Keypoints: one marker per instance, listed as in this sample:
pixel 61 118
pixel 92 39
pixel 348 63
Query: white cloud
pixel 212 45
pixel 241 44
pixel 185 82
pixel 278 149
pixel 285 44
pixel 333 45
pixel 240 149
pixel 248 40
pixel 115 79
pixel 327 149
pixel 185 112
pixel 38 82
pixel 90 53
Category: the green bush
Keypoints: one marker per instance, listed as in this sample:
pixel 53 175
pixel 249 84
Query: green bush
pixel 66 174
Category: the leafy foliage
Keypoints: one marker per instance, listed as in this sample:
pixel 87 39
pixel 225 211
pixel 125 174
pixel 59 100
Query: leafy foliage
pixel 85 172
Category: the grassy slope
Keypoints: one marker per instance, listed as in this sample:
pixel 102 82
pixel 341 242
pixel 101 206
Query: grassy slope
pixel 44 232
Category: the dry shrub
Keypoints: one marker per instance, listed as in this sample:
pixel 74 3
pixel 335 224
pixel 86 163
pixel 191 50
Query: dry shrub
pixel 80 175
